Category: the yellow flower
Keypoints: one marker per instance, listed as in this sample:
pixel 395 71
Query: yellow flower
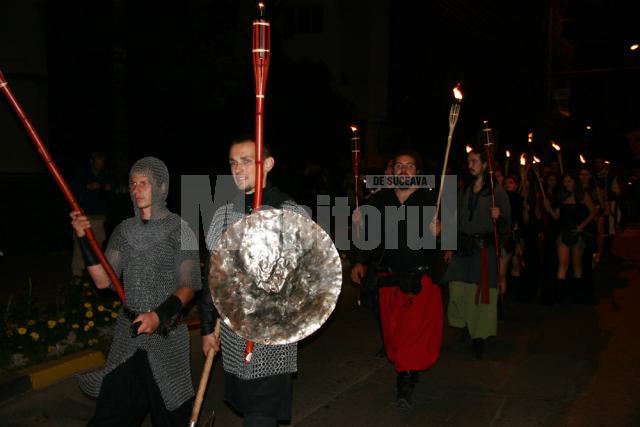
pixel 89 314
pixel 114 314
pixel 75 326
pixel 87 305
pixel 62 320
pixel 22 331
pixel 86 328
pixel 31 322
pixel 116 303
pixel 51 324
pixel 90 324
pixel 34 336
pixel 101 307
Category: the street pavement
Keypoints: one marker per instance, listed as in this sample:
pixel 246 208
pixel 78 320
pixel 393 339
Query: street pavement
pixel 549 366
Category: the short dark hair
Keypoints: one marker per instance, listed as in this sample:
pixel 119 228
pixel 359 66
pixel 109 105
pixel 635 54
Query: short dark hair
pixel 97 154
pixel 249 138
pixel 515 178
pixel 481 153
pixel 417 158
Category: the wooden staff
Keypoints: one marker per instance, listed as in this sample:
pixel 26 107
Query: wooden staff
pixel 487 134
pixel 537 174
pixel 204 379
pixel 62 184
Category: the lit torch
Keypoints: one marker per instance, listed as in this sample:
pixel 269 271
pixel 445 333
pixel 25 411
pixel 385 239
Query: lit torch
pixel 507 154
pixel 559 154
pixel 355 161
pixel 454 113
pixel 468 149
pixel 261 52
pixel 534 165
pixel 523 172
pixel 583 160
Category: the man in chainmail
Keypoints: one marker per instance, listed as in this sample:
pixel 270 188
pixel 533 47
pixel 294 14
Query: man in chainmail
pixel 262 389
pixel 147 368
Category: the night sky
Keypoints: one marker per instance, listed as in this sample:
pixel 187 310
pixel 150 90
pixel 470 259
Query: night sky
pixel 175 80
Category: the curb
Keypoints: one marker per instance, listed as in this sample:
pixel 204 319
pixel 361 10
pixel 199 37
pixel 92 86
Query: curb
pixel 45 374
pixel 51 372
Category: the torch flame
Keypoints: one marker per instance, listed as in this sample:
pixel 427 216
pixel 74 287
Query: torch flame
pixel 523 160
pixel 607 162
pixel 508 153
pixel 354 128
pixel 468 149
pixel 582 159
pixel 555 146
pixel 536 160
pixel 457 93
pixel 530 137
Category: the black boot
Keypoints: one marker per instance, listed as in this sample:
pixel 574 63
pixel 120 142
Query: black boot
pixel 574 290
pixel 548 291
pixel 415 377
pixel 464 335
pixel 561 291
pixel 587 291
pixel 477 348
pixel 406 383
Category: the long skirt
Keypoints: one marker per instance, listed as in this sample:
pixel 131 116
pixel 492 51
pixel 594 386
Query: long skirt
pixel 412 326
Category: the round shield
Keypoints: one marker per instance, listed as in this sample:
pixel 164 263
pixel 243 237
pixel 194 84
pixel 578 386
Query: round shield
pixel 275 276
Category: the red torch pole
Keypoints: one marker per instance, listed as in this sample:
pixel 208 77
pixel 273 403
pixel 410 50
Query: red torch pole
pixel 57 176
pixel 261 52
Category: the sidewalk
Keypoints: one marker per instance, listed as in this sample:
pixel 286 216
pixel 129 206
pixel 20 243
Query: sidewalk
pixel 549 366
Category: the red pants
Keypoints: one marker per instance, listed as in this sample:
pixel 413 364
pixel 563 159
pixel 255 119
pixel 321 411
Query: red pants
pixel 412 326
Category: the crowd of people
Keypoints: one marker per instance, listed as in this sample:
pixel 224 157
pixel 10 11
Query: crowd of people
pixel 553 230
pixel 535 236
pixel 563 224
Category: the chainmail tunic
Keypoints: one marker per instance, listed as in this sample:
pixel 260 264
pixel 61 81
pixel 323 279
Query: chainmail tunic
pixel 266 360
pixel 149 258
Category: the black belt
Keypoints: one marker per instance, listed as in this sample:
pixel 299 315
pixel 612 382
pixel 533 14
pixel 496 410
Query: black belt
pixel 387 277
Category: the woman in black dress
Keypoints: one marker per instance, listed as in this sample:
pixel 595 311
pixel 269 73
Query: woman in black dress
pixel 574 213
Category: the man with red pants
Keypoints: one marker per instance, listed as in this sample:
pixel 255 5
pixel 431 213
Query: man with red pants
pixel 410 302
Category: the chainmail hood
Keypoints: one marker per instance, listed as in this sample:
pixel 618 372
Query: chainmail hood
pixel 158 174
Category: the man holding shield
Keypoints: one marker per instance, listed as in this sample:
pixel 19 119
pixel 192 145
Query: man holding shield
pixel 262 389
